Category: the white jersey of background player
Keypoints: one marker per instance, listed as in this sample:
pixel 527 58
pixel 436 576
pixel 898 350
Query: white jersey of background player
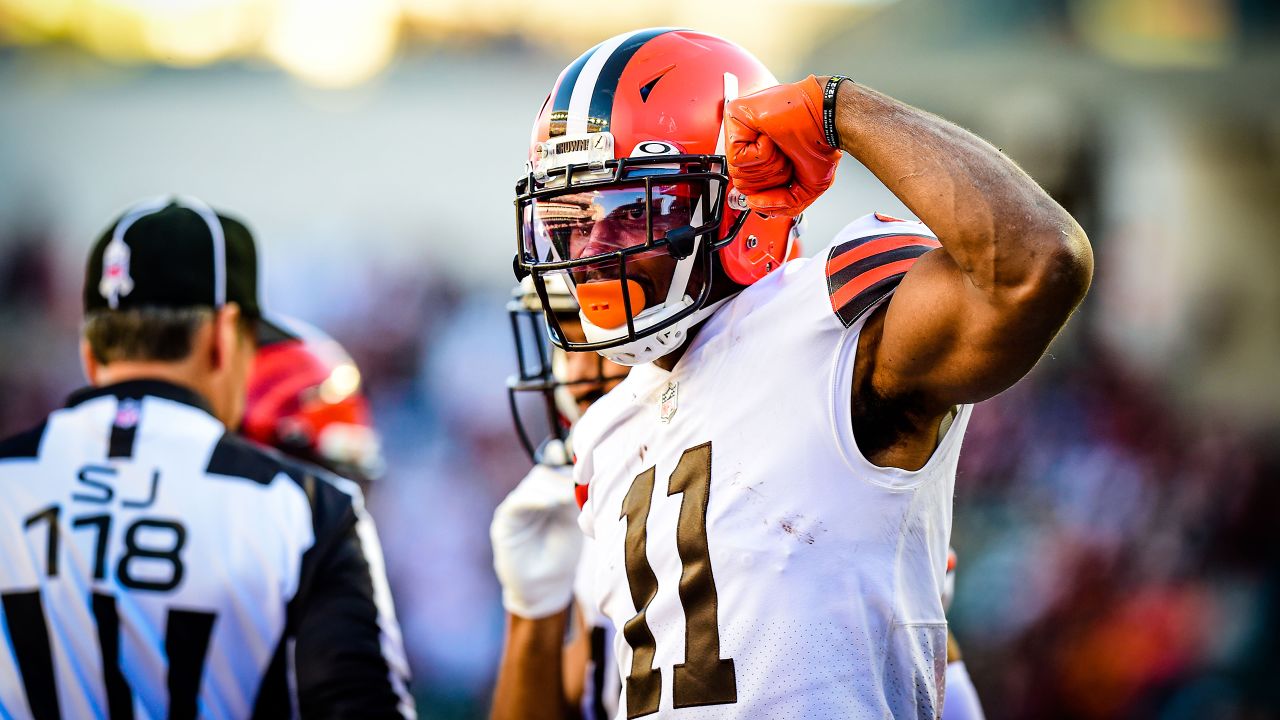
pixel 770 488
pixel 536 540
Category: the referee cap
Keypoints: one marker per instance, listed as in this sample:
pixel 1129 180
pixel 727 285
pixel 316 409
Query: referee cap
pixel 175 251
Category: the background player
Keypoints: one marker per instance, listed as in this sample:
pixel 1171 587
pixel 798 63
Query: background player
pixel 157 564
pixel 823 405
pixel 306 398
pixel 540 555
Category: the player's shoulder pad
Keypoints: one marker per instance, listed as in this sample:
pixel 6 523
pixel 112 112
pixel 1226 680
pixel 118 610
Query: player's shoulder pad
pixel 868 259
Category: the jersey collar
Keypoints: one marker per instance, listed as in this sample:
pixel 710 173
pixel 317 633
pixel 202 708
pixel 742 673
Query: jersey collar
pixel 142 388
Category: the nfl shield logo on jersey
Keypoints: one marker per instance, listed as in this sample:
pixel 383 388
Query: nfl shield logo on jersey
pixel 128 413
pixel 115 281
pixel 667 402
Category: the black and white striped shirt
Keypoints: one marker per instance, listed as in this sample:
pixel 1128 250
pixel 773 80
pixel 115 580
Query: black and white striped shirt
pixel 156 565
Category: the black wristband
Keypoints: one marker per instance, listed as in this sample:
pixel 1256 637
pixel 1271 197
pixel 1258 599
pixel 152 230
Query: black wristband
pixel 829 110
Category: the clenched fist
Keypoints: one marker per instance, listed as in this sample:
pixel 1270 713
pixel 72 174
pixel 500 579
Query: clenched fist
pixel 778 157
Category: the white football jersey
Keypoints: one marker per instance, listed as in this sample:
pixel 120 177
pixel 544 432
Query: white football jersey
pixel 752 561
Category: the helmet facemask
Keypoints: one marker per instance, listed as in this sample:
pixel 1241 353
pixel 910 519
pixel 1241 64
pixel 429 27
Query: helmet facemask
pixel 545 396
pixel 633 240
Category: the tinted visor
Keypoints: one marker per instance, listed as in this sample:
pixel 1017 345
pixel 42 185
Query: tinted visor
pixel 592 223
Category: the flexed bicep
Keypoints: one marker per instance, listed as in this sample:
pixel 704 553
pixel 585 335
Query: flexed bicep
pixel 972 317
pixel 944 341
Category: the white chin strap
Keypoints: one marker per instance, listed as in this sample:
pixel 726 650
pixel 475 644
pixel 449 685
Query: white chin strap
pixel 650 347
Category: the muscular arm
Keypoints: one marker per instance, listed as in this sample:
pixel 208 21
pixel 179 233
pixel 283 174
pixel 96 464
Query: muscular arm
pixel 530 685
pixel 970 319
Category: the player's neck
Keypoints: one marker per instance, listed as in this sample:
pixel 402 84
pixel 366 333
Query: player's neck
pixel 722 288
pixel 668 362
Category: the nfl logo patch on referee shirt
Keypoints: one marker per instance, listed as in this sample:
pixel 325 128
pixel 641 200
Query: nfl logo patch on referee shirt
pixel 128 413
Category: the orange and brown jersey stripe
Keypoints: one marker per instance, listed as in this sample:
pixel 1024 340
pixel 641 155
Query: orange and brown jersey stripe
pixel 864 270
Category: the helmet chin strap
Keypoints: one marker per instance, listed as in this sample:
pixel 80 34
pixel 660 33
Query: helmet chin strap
pixel 651 347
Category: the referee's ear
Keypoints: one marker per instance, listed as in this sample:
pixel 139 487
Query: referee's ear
pixel 225 336
pixel 88 362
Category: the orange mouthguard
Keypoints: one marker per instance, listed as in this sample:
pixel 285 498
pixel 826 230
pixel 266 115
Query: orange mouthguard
pixel 601 302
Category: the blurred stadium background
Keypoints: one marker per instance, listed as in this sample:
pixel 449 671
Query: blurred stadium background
pixel 1115 512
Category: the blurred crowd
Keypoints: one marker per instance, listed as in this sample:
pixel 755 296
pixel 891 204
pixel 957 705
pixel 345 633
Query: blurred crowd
pixel 1114 553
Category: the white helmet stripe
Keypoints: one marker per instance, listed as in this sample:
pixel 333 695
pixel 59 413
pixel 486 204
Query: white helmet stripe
pixel 730 93
pixel 580 101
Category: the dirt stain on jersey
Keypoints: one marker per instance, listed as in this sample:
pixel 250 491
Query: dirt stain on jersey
pixel 792 525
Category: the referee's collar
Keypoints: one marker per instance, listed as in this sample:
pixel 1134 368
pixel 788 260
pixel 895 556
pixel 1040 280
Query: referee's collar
pixel 139 389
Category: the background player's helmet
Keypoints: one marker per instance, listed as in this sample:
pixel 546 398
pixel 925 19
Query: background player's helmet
pixel 305 398
pixel 542 405
pixel 626 164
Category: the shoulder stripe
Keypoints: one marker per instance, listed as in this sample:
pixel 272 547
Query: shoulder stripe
pixel 852 272
pixel 850 313
pixel 853 289
pixel 862 271
pixel 236 457
pixel 23 445
pixel 846 254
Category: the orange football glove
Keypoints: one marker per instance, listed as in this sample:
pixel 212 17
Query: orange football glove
pixel 778 157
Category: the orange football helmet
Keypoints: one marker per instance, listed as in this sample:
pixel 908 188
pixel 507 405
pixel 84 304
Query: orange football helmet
pixel 305 398
pixel 627 164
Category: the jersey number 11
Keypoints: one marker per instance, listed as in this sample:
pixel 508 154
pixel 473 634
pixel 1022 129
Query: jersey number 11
pixel 704 678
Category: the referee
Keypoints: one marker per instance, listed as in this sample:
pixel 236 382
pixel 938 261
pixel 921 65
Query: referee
pixel 153 564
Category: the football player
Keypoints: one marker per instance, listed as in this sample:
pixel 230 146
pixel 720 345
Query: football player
pixel 306 398
pixel 539 552
pixel 585 682
pixel 770 488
